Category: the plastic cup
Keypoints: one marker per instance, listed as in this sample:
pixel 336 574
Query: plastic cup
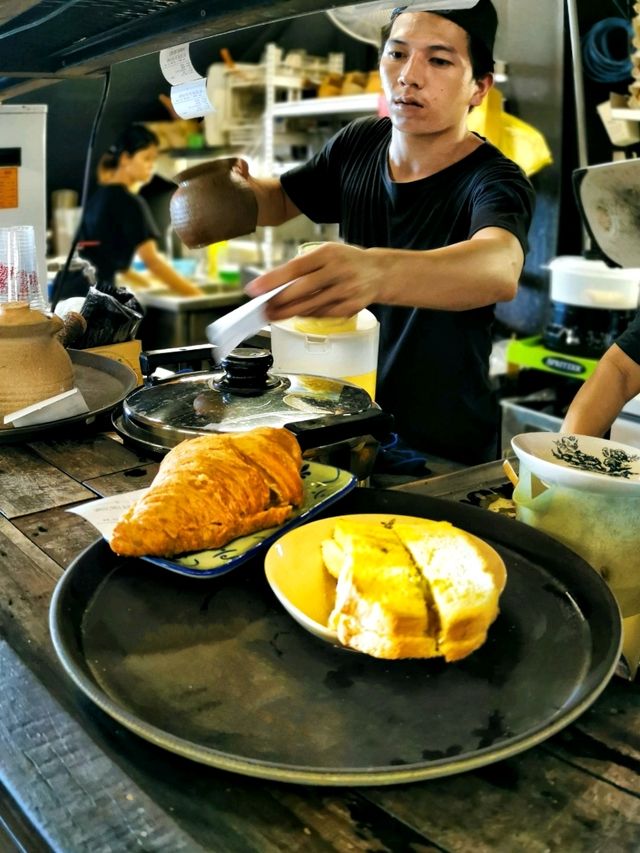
pixel 18 266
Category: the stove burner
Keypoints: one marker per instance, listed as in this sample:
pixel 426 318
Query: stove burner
pixel 498 500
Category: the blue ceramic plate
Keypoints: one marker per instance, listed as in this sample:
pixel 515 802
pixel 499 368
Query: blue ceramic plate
pixel 323 484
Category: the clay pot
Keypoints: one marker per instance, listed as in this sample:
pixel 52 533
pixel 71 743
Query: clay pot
pixel 212 203
pixel 33 363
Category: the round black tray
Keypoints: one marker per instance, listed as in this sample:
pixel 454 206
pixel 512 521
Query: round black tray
pixel 217 671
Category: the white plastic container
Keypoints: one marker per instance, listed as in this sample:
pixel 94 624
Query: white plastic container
pixel 351 356
pixel 592 284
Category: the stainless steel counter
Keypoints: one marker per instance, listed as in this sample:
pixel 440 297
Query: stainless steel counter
pixel 176 321
pixel 456 485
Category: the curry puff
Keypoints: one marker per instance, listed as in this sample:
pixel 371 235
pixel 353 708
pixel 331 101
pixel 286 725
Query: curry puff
pixel 212 489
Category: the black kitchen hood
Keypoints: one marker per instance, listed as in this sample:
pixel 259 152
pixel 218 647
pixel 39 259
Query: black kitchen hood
pixel 42 41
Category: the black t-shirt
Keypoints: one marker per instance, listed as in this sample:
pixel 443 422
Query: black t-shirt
pixel 433 371
pixel 119 221
pixel 629 340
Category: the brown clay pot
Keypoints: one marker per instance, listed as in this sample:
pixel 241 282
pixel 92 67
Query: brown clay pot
pixel 33 363
pixel 212 203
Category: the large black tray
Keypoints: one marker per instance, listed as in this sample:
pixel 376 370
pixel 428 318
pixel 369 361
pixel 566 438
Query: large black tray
pixel 218 672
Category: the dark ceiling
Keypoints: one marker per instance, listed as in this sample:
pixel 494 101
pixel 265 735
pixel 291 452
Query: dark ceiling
pixel 42 41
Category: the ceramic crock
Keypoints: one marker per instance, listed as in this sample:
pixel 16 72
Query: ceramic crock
pixel 34 365
pixel 212 203
pixel 587 496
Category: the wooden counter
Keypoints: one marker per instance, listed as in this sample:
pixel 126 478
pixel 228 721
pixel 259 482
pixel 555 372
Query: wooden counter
pixel 75 780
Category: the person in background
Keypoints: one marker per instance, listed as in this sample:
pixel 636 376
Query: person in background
pixel 434 221
pixel 614 382
pixel 117 223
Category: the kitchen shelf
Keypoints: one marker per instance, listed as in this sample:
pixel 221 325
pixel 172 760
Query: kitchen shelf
pixel 340 105
pixel 625 114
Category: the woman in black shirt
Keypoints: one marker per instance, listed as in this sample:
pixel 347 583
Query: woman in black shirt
pixel 118 224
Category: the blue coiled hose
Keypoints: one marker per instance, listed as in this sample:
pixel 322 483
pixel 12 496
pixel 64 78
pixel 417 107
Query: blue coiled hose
pixel 599 64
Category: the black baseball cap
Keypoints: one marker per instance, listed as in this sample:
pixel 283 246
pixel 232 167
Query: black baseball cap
pixel 480 21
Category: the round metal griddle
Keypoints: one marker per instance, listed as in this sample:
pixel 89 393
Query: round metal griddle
pixel 104 384
pixel 218 672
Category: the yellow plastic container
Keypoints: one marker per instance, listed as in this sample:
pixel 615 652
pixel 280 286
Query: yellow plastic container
pixel 351 355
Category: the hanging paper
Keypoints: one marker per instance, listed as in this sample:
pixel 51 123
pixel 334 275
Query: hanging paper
pixel 176 65
pixel 190 100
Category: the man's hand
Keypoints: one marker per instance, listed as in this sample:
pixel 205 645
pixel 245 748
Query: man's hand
pixel 334 280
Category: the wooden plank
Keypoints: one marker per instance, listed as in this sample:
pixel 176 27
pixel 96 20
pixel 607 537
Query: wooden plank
pixel 605 741
pixel 531 803
pixel 89 457
pixel 124 481
pixel 59 534
pixel 27 579
pixel 17 835
pixel 29 484
pixel 76 798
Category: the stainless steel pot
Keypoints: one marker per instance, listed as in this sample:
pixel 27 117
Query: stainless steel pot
pixel 335 422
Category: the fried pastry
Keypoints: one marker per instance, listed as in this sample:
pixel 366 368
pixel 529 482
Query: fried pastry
pixel 212 489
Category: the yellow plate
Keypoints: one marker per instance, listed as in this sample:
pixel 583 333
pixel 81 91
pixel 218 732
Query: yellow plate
pixel 297 575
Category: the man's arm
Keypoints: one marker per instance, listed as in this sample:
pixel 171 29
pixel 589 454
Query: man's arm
pixel 274 205
pixel 599 401
pixel 339 280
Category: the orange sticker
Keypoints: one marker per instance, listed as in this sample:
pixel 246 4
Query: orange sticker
pixel 8 187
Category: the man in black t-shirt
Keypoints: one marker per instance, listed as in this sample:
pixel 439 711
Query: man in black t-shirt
pixel 435 223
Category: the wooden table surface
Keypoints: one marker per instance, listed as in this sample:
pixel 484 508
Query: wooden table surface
pixel 75 780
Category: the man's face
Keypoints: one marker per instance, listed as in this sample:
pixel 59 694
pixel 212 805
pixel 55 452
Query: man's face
pixel 426 74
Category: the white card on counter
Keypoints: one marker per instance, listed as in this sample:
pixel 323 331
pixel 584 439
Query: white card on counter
pixel 190 100
pixel 231 329
pixel 65 405
pixel 176 65
pixel 104 513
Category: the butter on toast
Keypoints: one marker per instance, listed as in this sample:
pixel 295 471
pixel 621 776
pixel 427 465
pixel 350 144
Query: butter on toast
pixel 412 588
pixel 464 578
pixel 380 603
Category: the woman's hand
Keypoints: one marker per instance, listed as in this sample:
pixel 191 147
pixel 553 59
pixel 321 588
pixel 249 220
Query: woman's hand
pixel 334 280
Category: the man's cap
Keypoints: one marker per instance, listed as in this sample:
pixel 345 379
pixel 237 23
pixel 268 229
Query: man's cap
pixel 480 21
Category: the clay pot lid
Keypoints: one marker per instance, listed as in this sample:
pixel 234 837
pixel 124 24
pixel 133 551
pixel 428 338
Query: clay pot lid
pixel 21 314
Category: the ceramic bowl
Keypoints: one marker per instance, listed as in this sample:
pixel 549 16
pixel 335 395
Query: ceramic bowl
pixel 580 461
pixel 212 203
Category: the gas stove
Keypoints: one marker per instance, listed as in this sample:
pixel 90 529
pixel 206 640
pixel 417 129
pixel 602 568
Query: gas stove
pixel 485 486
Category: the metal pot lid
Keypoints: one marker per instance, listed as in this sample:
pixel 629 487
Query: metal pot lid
pixel 241 396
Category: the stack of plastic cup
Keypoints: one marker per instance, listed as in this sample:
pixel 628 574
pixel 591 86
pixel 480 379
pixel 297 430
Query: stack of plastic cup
pixel 18 266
